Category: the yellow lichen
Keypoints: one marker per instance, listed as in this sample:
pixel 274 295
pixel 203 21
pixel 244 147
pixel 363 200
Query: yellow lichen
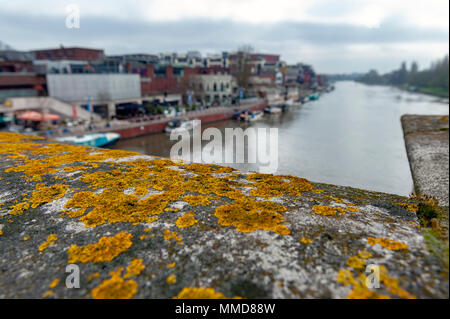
pixel 40 196
pixel 54 283
pixel 48 293
pixel 115 287
pixel 107 248
pixel 171 265
pixel 324 210
pixel 408 206
pixel 355 262
pixel 306 240
pixel 187 220
pixel 364 254
pixel 278 185
pixel 134 268
pixel 93 276
pixel 387 243
pixel 200 293
pixel 172 279
pixel 51 239
pixel 345 277
pixel 248 215
pixel 168 235
pixel 197 200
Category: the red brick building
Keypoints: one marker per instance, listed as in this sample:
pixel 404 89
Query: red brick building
pixel 72 53
pixel 156 79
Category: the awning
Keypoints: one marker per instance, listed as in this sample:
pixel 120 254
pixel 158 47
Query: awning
pixel 38 117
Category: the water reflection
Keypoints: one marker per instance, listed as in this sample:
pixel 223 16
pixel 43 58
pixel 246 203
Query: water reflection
pixel 351 136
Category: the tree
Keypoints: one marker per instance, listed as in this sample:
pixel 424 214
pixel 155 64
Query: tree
pixel 242 66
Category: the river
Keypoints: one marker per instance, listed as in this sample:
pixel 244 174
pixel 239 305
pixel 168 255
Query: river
pixel 351 136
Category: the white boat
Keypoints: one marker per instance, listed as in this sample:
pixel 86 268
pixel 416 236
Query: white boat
pixel 256 116
pixel 91 139
pixel 177 126
pixel 272 110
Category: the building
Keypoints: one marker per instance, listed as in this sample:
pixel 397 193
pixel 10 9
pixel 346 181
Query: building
pixel 17 76
pixel 71 53
pixel 211 89
pixel 95 87
pixel 21 85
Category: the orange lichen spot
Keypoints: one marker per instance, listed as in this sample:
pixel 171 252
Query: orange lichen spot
pixel 134 268
pixel 278 185
pixel 51 239
pixel 393 285
pixel 306 240
pixel 194 200
pixel 352 209
pixel 200 293
pixel 148 229
pixel 172 279
pixel 94 276
pixel 40 196
pixel 54 283
pixel 142 237
pixel 187 220
pixel 248 215
pixel 71 169
pixel 364 254
pixel 408 206
pixel 1 232
pixel 360 291
pixel 107 248
pixel 114 207
pixel 345 277
pixel 172 265
pixel 48 293
pixel 387 243
pixel 324 210
pixel 115 287
pixel 25 238
pixel 317 191
pixel 168 235
pixel 355 262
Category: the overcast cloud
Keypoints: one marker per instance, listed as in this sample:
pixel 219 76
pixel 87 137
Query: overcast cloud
pixel 334 36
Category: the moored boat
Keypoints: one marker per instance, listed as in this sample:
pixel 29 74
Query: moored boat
pixel 272 109
pixel 257 115
pixel 91 139
pixel 177 126
pixel 314 96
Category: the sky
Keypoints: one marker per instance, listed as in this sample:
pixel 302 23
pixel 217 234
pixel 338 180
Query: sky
pixel 334 36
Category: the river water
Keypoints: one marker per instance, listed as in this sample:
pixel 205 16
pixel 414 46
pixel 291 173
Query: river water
pixel 351 136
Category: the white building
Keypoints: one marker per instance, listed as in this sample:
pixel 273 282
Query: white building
pixel 212 89
pixel 93 87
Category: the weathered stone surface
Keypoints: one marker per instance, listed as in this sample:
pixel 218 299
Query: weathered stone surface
pixel 256 236
pixel 426 140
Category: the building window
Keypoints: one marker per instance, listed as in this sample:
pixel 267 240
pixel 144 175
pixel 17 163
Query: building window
pixel 215 87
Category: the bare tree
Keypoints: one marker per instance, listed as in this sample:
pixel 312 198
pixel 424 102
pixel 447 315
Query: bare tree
pixel 242 66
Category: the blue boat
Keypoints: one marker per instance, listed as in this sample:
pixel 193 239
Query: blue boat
pixel 314 97
pixel 91 139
